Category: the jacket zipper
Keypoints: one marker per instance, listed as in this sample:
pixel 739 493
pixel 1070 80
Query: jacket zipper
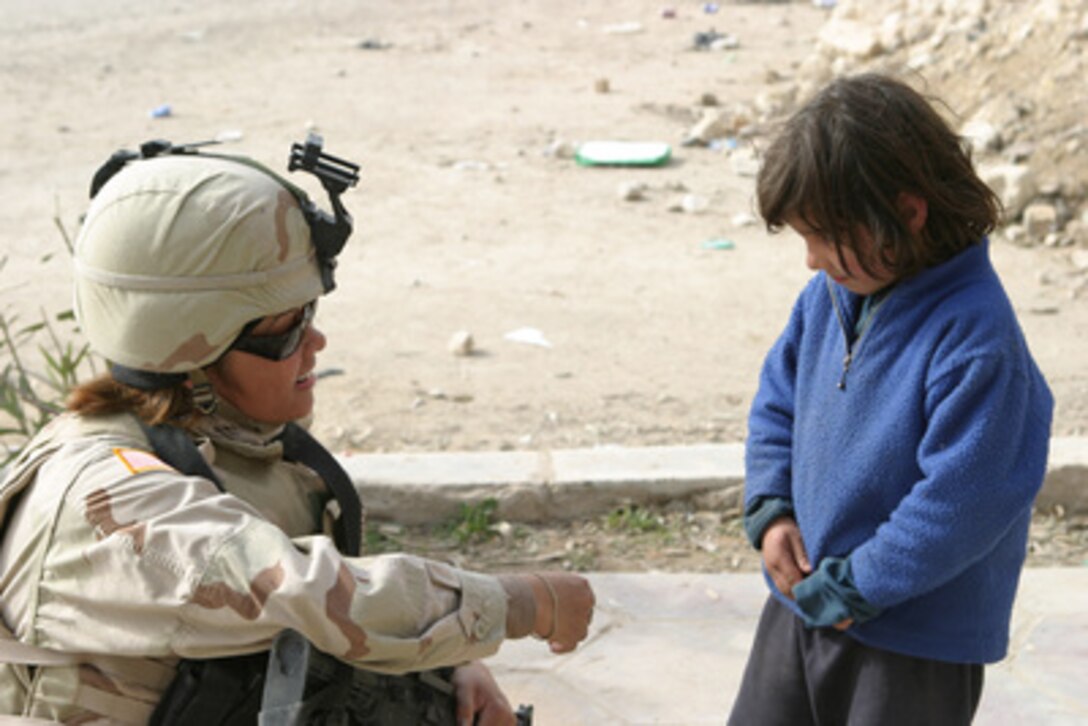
pixel 848 359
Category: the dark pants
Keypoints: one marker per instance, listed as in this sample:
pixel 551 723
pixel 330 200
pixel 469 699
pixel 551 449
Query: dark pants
pixel 798 676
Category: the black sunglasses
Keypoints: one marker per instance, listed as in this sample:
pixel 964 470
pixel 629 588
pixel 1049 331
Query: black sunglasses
pixel 281 345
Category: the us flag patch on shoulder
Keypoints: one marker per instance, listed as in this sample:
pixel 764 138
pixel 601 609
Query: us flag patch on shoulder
pixel 137 461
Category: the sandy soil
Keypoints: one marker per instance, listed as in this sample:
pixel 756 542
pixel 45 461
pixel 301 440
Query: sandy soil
pixel 464 222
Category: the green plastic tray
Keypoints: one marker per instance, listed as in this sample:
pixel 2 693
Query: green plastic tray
pixel 623 153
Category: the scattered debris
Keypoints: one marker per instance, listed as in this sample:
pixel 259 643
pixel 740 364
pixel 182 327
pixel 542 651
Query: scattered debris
pixel 528 336
pixel 719 243
pixel 373 44
pixel 713 40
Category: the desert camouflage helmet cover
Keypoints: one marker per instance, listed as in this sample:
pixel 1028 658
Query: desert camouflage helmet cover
pixel 177 253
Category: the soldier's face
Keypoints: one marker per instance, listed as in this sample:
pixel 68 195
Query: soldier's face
pixel 266 390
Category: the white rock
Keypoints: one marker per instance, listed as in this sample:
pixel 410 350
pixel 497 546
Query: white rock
pixel 1015 234
pixel 891 33
pixel 713 124
pixel 1014 185
pixel 631 191
pixel 461 343
pixel 1048 11
pixel 849 37
pixel 694 204
pixel 560 149
pixel 716 123
pixel 744 219
pixel 744 161
pixel 1081 31
pixel 982 135
pixel 1040 219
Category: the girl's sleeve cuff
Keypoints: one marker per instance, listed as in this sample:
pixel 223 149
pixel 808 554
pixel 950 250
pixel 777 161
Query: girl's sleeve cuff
pixel 759 514
pixel 829 596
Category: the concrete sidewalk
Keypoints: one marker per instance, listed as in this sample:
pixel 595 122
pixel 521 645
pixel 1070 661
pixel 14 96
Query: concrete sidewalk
pixel 671 648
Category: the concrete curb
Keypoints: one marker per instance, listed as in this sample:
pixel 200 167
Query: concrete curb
pixel 570 483
pixel 543 485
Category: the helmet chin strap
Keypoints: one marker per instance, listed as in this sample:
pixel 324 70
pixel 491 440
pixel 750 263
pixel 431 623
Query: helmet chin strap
pixel 203 394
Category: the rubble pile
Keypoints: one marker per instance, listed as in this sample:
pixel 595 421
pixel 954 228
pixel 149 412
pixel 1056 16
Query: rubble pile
pixel 1013 76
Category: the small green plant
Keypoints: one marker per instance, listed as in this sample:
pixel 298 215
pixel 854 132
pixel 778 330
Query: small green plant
pixel 475 522
pixel 375 541
pixel 30 398
pixel 631 518
pixel 33 392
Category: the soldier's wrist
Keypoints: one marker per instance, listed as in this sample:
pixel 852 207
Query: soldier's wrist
pixel 521 605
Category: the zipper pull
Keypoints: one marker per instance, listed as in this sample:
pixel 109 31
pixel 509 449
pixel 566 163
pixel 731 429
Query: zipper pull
pixel 846 361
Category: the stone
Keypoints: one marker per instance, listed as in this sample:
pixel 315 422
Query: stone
pixel 560 149
pixel 849 38
pixel 744 161
pixel 1040 219
pixel 982 135
pixel 744 219
pixel 892 31
pixel 716 123
pixel 461 343
pixel 1015 234
pixel 631 191
pixel 694 204
pixel 1014 185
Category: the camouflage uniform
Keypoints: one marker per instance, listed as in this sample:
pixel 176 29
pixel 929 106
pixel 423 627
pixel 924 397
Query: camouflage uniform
pixel 109 551
pixel 115 565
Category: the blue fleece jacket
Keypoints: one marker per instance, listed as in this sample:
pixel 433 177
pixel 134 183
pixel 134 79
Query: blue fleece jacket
pixel 917 461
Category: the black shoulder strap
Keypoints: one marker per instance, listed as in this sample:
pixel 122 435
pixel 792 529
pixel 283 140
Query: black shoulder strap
pixel 173 445
pixel 299 446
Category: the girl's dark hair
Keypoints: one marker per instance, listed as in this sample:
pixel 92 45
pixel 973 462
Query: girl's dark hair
pixel 103 396
pixel 841 163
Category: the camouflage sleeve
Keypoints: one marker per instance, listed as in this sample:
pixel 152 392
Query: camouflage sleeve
pixel 142 560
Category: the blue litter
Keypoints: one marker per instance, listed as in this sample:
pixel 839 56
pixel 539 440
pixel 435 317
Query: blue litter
pixel 719 243
pixel 162 111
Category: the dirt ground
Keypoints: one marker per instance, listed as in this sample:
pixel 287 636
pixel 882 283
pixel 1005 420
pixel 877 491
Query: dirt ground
pixel 683 536
pixel 465 221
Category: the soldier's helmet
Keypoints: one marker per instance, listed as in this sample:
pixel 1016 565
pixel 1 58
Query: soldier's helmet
pixel 180 250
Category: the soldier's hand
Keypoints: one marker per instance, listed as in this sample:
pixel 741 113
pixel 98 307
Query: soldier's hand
pixel 554 606
pixel 480 701
pixel 564 609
